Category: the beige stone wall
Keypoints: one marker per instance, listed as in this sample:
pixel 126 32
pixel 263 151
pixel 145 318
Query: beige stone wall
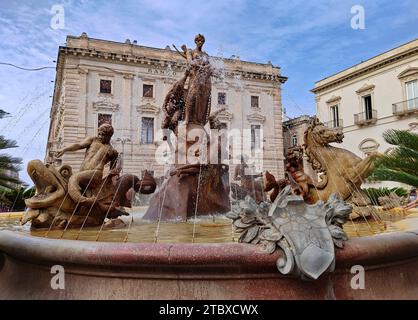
pixel 297 127
pixel 383 77
pixel 84 62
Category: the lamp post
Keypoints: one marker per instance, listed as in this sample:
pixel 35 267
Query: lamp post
pixel 123 140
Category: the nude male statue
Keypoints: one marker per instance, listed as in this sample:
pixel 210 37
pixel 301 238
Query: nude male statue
pixel 99 152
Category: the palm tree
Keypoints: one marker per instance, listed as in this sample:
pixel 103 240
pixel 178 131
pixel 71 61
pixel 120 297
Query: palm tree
pixel 401 164
pixel 8 164
pixel 15 199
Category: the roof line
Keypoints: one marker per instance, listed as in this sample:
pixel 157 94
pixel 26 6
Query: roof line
pixel 161 49
pixel 357 64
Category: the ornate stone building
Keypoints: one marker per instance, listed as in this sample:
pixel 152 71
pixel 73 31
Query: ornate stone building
pixel 368 98
pixel 293 132
pixel 125 84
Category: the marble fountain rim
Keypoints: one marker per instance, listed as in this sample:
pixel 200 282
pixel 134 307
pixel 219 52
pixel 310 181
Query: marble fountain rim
pixel 191 260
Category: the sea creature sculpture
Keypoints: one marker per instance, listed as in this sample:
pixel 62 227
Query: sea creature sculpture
pixel 342 171
pixel 65 199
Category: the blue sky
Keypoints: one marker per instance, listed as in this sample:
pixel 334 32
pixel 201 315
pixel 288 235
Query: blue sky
pixel 309 40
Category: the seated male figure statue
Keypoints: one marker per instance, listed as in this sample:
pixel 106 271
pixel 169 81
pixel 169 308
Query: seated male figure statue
pixel 99 152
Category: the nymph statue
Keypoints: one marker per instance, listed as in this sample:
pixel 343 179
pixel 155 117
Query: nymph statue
pixel 200 84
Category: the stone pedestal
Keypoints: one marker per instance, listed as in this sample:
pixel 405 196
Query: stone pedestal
pixel 179 195
pixel 191 189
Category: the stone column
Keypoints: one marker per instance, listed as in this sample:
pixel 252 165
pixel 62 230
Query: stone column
pixel 83 103
pixel 74 113
pixel 126 106
pixel 278 132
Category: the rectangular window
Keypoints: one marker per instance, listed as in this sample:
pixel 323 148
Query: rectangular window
pixel 221 98
pixel 103 118
pixel 255 137
pixel 335 117
pixel 148 90
pixel 105 86
pixel 294 140
pixel 222 140
pixel 147 130
pixel 368 109
pixel 255 102
pixel 412 94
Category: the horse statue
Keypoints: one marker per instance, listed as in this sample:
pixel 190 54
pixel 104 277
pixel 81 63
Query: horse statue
pixel 342 171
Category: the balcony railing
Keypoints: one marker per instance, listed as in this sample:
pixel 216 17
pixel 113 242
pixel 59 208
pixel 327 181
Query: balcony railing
pixel 365 118
pixel 405 107
pixel 334 124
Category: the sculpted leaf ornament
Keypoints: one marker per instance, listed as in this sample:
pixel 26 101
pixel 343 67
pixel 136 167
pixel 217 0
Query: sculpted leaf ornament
pixel 305 233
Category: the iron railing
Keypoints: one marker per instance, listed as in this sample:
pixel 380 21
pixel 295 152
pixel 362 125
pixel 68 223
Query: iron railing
pixel 334 124
pixel 405 107
pixel 364 118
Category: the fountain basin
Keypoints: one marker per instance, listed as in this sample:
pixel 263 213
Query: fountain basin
pixel 104 270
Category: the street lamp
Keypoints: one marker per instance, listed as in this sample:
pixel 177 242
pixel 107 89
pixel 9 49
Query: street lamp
pixel 123 140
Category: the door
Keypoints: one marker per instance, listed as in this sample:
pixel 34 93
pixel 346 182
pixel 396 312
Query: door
pixel 368 110
pixel 335 117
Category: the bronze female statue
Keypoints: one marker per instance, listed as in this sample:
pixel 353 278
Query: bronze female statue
pixel 192 104
pixel 193 188
pixel 200 84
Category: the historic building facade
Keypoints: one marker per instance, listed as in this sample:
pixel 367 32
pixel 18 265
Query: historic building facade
pixel 375 95
pixel 293 132
pixel 125 84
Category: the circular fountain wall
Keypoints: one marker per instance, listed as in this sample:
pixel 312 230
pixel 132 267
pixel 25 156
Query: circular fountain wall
pixel 115 270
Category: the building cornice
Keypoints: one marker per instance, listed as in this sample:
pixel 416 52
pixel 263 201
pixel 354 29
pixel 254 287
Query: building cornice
pixel 162 64
pixel 105 106
pixel 256 118
pixel 365 87
pixel 360 70
pixel 88 42
pixel 408 72
pixel 297 121
pixel 147 108
pixel 333 99
pixel 225 115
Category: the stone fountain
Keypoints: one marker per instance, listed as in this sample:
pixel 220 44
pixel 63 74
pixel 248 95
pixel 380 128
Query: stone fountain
pixel 295 235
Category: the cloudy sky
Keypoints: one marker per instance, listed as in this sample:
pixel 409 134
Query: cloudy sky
pixel 309 40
